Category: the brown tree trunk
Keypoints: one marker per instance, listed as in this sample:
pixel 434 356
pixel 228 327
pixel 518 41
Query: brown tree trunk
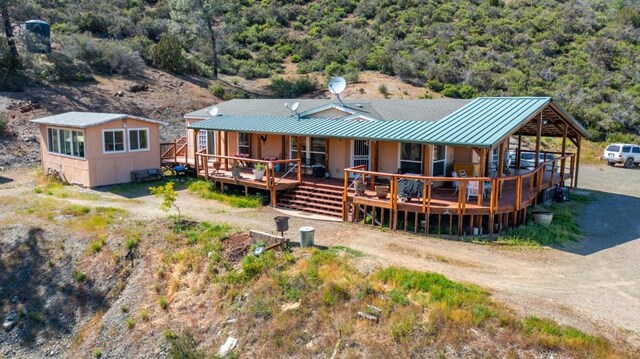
pixel 8 30
pixel 214 51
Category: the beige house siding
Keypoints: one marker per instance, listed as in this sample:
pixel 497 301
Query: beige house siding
pixel 339 157
pixel 330 113
pixel 388 160
pixel 99 168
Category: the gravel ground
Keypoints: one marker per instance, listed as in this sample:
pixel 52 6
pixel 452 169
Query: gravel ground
pixel 593 285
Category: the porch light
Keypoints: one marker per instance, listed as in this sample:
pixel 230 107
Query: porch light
pixel 263 138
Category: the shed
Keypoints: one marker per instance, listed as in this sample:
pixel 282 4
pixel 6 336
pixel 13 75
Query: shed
pixel 98 149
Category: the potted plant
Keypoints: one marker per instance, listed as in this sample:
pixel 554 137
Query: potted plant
pixel 359 186
pixel 258 171
pixel 382 190
pixel 543 217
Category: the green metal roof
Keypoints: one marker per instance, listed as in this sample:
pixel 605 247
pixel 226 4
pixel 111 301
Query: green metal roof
pixel 484 122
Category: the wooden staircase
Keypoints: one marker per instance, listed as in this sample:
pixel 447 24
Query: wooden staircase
pixel 313 197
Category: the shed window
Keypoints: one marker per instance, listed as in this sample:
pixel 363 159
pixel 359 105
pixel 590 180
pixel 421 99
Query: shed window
pixel 411 158
pixel 113 141
pixel 65 142
pixel 439 160
pixel 138 139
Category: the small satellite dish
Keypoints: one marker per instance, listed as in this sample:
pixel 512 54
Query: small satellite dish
pixel 213 111
pixel 295 105
pixel 337 85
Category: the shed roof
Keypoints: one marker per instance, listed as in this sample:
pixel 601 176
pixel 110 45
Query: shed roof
pixel 87 119
pixel 483 122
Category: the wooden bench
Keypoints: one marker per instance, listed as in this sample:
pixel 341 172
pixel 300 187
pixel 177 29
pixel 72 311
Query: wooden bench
pixel 151 174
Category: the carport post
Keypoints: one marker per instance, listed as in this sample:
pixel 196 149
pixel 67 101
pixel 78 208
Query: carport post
pixel 577 162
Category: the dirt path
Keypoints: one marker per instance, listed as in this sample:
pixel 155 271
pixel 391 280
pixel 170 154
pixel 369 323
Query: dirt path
pixel 593 285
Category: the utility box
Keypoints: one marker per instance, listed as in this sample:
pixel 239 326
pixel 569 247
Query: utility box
pixel 38 36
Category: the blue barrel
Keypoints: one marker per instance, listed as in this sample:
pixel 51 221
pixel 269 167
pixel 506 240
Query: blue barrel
pixel 38 36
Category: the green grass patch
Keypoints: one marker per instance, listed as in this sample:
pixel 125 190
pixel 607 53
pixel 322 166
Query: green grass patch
pixel 564 227
pixel 59 190
pixel 79 276
pixel 100 218
pixel 205 190
pixel 353 252
pixel 75 210
pixel 96 245
pixel 550 335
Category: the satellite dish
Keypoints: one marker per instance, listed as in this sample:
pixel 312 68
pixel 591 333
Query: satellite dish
pixel 213 111
pixel 337 85
pixel 295 105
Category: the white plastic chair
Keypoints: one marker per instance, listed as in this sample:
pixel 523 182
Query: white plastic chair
pixel 456 184
pixel 472 189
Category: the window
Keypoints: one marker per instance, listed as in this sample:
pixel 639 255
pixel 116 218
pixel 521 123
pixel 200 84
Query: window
pixel 411 158
pixel 113 141
pixel 139 139
pixel 636 150
pixel 439 160
pixel 65 142
pixel 243 143
pixel 202 140
pixel 314 150
pixel 626 149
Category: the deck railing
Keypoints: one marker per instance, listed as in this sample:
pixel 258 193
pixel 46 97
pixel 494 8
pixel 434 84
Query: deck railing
pixel 173 150
pixel 205 162
pixel 526 187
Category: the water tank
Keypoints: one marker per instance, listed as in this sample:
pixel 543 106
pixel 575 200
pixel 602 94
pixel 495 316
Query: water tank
pixel 38 36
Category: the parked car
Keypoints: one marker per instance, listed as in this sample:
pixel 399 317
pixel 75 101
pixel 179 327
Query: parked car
pixel 528 160
pixel 624 153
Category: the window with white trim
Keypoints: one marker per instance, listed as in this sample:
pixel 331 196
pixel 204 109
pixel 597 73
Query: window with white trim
pixel 244 146
pixel 439 160
pixel 411 158
pixel 65 142
pixel 138 139
pixel 113 141
pixel 314 150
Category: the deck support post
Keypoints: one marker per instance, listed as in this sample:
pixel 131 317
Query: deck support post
pixel 195 151
pixel 538 136
pixel 483 162
pixel 226 143
pixel 564 153
pixel 577 163
pixel 519 152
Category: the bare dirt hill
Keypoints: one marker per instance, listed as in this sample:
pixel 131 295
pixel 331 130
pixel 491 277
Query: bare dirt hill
pixel 160 96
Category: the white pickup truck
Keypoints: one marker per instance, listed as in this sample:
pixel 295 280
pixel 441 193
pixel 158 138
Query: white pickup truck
pixel 624 153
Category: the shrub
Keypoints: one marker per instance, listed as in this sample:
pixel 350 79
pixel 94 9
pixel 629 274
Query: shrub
pixel 68 69
pixel 283 88
pixel 96 246
pixel 97 353
pixel 130 323
pixel 163 302
pixel 383 90
pixel 3 124
pixel 217 90
pixel 79 276
pixel 167 54
pixel 126 62
pixel 459 91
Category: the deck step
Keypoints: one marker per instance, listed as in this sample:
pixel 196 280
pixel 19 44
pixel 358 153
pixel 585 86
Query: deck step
pixel 310 210
pixel 311 197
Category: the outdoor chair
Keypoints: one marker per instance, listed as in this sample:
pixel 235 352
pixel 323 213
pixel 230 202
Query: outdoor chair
pixel 472 189
pixel 456 184
pixel 462 173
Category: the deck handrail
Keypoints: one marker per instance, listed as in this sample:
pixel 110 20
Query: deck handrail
pixel 534 179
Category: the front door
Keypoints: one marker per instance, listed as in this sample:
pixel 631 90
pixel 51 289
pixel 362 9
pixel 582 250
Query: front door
pixel 360 154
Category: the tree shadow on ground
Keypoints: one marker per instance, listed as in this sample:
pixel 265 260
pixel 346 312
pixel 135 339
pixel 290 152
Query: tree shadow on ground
pixel 4 180
pixel 50 301
pixel 607 221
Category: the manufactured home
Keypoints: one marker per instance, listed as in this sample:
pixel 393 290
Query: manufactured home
pixel 97 149
pixel 444 163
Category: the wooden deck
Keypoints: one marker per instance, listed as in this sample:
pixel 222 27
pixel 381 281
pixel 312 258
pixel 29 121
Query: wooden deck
pixel 444 200
pixel 247 179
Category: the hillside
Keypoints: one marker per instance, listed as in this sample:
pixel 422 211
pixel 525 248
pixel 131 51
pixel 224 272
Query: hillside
pixel 583 53
pixel 106 274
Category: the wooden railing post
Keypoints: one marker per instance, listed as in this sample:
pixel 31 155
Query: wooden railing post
pixel 345 195
pixel 424 196
pixel 206 168
pixel 299 171
pixel 195 162
pixel 553 170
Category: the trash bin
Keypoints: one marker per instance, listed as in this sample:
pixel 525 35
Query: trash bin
pixel 306 236
pixel 282 223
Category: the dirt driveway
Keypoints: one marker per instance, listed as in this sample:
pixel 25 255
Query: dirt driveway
pixel 593 285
